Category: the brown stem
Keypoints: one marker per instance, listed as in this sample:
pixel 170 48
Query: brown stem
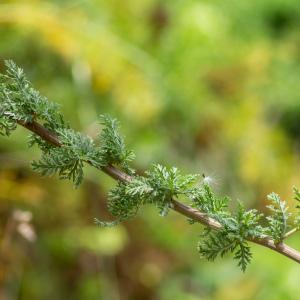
pixel 181 208
pixel 207 221
pixel 43 132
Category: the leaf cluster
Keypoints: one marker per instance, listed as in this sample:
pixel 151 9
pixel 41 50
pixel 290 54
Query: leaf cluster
pixel 220 243
pixel 233 235
pixel 297 198
pixel 19 101
pixel 68 160
pixel 113 149
pixel 159 185
pixel 278 225
pixel 167 183
pixel 205 200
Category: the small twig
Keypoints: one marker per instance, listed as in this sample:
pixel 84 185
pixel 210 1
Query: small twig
pixel 291 232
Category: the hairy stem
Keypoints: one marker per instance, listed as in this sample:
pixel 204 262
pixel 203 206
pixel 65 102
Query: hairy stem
pixel 177 206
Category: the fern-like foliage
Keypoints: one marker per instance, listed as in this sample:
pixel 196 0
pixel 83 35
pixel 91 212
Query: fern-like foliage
pixel 278 221
pixel 233 236
pixel 20 103
pixel 68 160
pixel 113 148
pixel 216 243
pixel 297 198
pixel 243 255
pixel 167 183
pixel 7 125
pixel 205 200
pixel 124 200
pixel 121 204
pixel 221 243
pixel 245 223
pixel 158 187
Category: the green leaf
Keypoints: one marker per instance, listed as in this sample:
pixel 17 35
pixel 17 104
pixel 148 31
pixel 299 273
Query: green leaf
pixel 243 255
pixel 113 148
pixel 297 196
pixel 121 204
pixel 278 220
pixel 21 102
pixel 204 199
pixel 68 160
pixel 216 243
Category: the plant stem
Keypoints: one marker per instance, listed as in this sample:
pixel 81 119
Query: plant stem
pixel 289 233
pixel 177 206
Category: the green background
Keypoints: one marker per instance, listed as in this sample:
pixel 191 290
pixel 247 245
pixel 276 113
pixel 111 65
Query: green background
pixel 209 86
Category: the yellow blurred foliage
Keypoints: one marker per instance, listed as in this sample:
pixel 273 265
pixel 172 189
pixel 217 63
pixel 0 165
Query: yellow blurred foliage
pixel 71 34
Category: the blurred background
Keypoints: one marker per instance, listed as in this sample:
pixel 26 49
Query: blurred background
pixel 209 86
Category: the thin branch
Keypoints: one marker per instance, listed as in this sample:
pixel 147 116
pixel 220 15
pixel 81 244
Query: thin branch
pixel 291 232
pixel 177 206
pixel 43 132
